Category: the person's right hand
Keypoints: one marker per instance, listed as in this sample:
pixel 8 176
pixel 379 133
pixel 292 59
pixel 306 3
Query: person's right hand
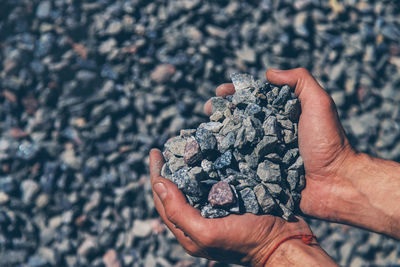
pixel 342 185
pixel 322 142
pixel 323 145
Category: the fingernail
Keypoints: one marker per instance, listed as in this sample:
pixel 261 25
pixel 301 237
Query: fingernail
pixel 161 190
pixel 275 70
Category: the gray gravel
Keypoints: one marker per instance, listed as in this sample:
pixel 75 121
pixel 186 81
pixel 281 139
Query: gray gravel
pixel 246 158
pixel 88 87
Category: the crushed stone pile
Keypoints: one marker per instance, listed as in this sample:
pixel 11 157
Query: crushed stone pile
pixel 246 159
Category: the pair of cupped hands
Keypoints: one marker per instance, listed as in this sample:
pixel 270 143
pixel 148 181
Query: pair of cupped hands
pixel 246 239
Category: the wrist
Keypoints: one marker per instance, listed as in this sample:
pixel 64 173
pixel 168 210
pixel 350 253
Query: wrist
pixel 282 232
pixel 295 252
pixel 327 192
pixel 366 195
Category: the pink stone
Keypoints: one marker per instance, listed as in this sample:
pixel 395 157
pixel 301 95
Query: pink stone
pixel 221 195
pixel 110 259
pixel 192 152
pixel 162 73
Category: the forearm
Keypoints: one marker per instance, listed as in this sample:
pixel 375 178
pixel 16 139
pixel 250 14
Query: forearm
pixel 368 195
pixel 296 253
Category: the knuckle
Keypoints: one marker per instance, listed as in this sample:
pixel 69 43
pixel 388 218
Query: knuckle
pixel 172 214
pixel 303 71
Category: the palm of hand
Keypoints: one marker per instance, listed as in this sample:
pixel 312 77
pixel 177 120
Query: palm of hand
pixel 247 238
pixel 323 146
pixel 231 239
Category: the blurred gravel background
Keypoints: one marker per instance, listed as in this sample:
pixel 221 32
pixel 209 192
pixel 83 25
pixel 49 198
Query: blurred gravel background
pixel 88 87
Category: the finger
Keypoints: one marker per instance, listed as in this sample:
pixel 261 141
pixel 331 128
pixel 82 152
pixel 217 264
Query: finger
pixel 175 206
pixel 306 87
pixel 315 102
pixel 222 90
pixel 178 210
pixel 207 107
pixel 225 89
pixel 183 239
pixel 156 163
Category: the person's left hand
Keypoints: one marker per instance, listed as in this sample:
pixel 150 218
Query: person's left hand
pixel 242 239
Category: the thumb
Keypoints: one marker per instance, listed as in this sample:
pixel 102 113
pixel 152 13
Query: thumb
pixel 306 87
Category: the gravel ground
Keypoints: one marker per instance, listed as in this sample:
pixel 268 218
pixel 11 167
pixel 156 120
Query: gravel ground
pixel 88 87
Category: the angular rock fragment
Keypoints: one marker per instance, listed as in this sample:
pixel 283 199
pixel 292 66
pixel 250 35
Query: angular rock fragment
pixel 211 126
pixel 167 154
pixel 243 97
pixel 165 171
pixel 176 146
pixel 290 156
pixel 285 124
pixel 252 109
pixel 249 200
pixel 302 183
pixel 252 160
pixel 217 116
pixel 210 212
pixel 246 183
pixel 221 195
pixel 298 164
pixel 274 189
pixel 286 213
pixel 223 161
pixel 207 165
pixel 196 173
pixel 242 81
pixel 269 172
pixel 289 137
pixel 293 179
pixel 218 104
pixel 250 134
pixel 229 125
pixel 270 126
pixel 187 132
pixel 192 152
pixel 205 139
pixel 176 163
pixel 292 109
pixel 282 96
pixel 240 138
pixel 266 201
pixel 227 142
pixel 266 146
pixel 184 182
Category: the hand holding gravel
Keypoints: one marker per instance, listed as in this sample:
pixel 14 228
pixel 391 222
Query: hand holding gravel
pixel 200 236
pixel 342 186
pixel 246 159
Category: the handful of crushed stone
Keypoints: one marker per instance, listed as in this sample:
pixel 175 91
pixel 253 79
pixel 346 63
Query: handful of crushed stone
pixel 246 159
